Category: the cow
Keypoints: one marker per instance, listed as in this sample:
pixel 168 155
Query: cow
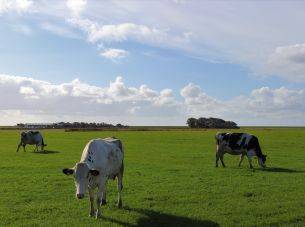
pixel 32 138
pixel 102 159
pixel 239 144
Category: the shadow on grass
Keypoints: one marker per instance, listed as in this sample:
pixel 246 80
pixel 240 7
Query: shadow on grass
pixel 279 170
pixel 154 218
pixel 45 152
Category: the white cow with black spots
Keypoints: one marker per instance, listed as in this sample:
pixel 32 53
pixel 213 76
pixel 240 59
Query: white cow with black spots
pixel 102 159
pixel 32 138
pixel 242 144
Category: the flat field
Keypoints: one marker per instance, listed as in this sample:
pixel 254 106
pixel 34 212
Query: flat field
pixel 170 180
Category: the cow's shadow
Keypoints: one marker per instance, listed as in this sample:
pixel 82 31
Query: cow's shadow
pixel 153 218
pixel 45 152
pixel 279 170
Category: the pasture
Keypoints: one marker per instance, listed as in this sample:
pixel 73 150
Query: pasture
pixel 170 180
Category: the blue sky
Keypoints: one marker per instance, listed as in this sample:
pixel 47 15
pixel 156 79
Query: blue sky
pixel 152 62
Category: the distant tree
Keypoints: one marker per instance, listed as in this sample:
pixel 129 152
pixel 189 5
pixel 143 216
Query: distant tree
pixel 119 125
pixel 192 122
pixel 210 123
pixel 202 122
pixel 75 125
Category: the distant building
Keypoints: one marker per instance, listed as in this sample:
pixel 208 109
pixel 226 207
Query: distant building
pixel 35 125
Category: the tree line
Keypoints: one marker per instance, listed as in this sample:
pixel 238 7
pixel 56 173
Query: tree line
pixel 67 125
pixel 210 123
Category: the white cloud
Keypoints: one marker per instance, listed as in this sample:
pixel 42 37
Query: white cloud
pixel 114 54
pixel 107 34
pixel 288 62
pixel 264 106
pixel 19 6
pixel 59 30
pixel 76 6
pixel 217 31
pixel 194 96
pixel 42 101
pixel 76 99
pixel 118 32
pixel 26 90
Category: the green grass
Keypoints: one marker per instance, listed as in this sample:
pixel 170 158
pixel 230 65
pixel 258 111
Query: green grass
pixel 170 180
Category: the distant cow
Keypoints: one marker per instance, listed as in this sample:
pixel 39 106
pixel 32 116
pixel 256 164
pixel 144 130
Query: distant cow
pixel 239 144
pixel 32 138
pixel 102 159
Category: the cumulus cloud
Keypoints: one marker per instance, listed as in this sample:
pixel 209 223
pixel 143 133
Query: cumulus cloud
pixel 18 6
pixel 198 103
pixel 76 98
pixel 42 101
pixel 114 54
pixel 264 106
pixel 288 62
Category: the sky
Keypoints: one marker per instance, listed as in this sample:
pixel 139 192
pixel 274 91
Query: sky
pixel 152 62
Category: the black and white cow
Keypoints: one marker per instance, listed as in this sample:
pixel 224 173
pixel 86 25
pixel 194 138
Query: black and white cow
pixel 239 144
pixel 102 159
pixel 32 138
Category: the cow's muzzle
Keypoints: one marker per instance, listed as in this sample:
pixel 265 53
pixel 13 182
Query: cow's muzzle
pixel 80 196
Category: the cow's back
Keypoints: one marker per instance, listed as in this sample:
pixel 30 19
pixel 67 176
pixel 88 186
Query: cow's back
pixel 104 155
pixel 115 141
pixel 31 137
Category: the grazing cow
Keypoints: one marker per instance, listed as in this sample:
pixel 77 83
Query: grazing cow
pixel 32 138
pixel 239 144
pixel 102 159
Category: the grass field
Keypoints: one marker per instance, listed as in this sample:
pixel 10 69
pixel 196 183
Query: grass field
pixel 170 180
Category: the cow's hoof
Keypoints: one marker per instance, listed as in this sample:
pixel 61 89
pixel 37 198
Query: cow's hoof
pixel 104 202
pixel 92 214
pixel 98 215
pixel 120 205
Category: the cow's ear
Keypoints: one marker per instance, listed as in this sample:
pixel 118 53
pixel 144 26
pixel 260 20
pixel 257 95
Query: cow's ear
pixel 94 172
pixel 68 171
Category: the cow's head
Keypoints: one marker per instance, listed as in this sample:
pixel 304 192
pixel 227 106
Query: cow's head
pixel 262 160
pixel 81 173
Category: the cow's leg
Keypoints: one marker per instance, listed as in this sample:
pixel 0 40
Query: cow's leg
pixel 104 200
pixel 241 158
pixel 19 145
pixel 217 159
pixel 91 198
pixel 120 186
pixel 36 148
pixel 23 147
pixel 250 161
pixel 217 155
pixel 221 159
pixel 101 191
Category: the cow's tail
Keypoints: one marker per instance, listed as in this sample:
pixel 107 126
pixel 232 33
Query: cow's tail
pixel 121 146
pixel 217 138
